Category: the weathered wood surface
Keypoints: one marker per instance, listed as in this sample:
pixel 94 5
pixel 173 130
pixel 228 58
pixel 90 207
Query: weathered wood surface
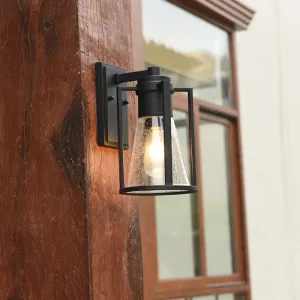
pixel 116 261
pixel 43 213
pixel 65 233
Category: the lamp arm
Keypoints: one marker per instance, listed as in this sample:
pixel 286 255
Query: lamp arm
pixel 133 76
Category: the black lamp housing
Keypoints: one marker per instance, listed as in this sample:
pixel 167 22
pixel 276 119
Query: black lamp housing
pixel 154 93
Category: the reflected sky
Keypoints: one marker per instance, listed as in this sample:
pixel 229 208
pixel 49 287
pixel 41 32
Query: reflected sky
pixel 160 18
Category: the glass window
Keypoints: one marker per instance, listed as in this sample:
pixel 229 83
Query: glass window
pixel 218 297
pixel 193 52
pixel 177 222
pixel 216 193
pixel 231 297
pixel 204 298
pixel 226 297
pixel 197 236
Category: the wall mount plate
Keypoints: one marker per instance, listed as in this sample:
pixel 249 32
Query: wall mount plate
pixel 106 98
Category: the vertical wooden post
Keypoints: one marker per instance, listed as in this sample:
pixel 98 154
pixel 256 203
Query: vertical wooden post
pixel 115 250
pixel 65 232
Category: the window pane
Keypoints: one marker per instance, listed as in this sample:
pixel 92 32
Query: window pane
pixel 231 297
pixel 216 189
pixel 193 52
pixel 177 223
pixel 204 298
pixel 217 297
pixel 226 297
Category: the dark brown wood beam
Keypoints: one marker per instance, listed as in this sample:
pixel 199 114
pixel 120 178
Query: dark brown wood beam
pixel 65 232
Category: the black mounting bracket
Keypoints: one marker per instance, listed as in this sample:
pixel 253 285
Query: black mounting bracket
pixel 106 98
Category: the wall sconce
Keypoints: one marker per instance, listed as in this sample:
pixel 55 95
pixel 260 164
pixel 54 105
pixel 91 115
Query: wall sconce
pixel 156 166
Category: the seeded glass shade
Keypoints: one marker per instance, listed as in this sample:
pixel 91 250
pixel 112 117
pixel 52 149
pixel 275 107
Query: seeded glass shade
pixel 147 166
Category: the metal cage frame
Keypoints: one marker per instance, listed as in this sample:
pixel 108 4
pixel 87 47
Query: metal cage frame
pixel 169 188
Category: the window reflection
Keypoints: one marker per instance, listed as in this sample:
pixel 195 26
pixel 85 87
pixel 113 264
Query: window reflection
pixel 194 53
pixel 177 222
pixel 217 198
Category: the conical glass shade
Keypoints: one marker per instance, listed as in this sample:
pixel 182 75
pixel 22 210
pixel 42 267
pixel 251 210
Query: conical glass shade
pixel 147 166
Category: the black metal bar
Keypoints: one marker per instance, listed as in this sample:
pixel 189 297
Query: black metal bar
pixel 192 137
pixel 120 137
pixel 155 190
pixel 133 76
pixel 192 143
pixel 129 89
pixel 100 96
pixel 181 89
pixel 167 132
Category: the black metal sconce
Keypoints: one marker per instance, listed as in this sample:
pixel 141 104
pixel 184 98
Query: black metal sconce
pixel 156 166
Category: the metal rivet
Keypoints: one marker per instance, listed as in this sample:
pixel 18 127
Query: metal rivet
pixel 125 102
pixel 110 98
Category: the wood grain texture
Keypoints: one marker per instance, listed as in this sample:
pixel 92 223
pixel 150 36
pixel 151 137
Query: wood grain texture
pixel 115 248
pixel 65 231
pixel 11 133
pixel 43 251
pixel 53 175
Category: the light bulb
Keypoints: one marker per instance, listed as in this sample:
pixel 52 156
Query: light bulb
pixel 147 166
pixel 154 153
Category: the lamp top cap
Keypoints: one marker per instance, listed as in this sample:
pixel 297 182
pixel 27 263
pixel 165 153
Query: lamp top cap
pixel 153 71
